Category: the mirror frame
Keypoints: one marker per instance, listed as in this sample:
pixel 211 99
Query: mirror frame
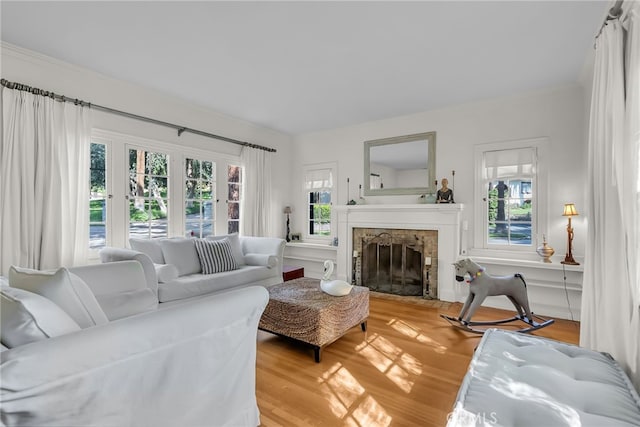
pixel 431 165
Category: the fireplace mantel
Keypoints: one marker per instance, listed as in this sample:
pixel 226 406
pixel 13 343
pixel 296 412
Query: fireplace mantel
pixel 445 218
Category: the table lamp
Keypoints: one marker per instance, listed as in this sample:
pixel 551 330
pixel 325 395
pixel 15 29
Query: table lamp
pixel 569 211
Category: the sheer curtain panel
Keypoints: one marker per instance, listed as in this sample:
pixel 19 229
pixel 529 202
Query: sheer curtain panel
pixel 610 302
pixel 44 181
pixel 256 201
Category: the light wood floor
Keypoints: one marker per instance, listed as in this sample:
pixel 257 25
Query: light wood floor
pixel 404 371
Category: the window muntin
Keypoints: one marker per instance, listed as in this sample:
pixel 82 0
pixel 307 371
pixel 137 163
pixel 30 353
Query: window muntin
pixel 148 194
pixel 98 196
pixel 234 184
pixel 509 182
pixel 200 197
pixel 319 189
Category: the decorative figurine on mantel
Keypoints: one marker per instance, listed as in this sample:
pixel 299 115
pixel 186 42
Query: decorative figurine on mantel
pixel 445 194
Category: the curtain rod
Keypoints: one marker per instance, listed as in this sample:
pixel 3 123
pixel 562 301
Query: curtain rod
pixel 180 129
pixel 614 13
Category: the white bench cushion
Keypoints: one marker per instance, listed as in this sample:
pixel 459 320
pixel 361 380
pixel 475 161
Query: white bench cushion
pixel 522 380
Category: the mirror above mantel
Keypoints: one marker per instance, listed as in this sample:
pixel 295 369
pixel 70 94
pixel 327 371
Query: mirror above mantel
pixel 400 165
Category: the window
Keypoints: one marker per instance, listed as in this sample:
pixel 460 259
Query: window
pixel 509 180
pixel 234 182
pixel 148 194
pixel 319 193
pixel 200 197
pixel 98 196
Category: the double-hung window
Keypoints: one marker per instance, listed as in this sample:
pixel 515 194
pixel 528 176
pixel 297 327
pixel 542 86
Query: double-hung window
pixel 509 180
pixel 319 193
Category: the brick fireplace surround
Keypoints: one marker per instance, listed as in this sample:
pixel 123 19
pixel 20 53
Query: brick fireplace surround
pixel 445 219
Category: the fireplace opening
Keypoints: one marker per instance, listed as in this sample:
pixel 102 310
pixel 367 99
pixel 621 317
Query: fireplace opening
pixel 393 261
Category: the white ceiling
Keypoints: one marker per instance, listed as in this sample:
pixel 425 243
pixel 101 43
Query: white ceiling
pixel 305 66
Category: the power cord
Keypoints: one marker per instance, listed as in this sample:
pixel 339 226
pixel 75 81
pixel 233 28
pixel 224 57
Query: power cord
pixel 566 292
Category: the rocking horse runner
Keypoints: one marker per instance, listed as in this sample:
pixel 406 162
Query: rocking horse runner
pixel 482 285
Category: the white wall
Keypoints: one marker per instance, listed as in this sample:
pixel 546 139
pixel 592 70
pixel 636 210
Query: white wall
pixel 24 66
pixel 558 114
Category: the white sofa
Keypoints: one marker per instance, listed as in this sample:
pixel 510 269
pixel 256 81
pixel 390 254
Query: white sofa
pixel 173 270
pixel 122 359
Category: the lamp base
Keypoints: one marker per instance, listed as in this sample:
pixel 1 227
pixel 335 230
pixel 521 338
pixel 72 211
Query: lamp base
pixel 568 260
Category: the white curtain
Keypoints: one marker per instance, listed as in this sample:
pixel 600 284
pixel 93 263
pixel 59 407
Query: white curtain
pixel 610 297
pixel 255 207
pixel 44 182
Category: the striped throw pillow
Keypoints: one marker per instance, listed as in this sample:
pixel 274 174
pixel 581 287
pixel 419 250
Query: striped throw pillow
pixel 215 256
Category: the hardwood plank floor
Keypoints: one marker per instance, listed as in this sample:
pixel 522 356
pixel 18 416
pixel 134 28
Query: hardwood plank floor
pixel 404 371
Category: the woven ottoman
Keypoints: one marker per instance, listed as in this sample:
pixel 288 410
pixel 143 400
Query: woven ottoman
pixel 298 309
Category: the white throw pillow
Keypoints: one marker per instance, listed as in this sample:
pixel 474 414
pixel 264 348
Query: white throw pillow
pixel 166 272
pixel 150 247
pixel 73 296
pixel 215 256
pixel 181 253
pixel 27 317
pixel 236 247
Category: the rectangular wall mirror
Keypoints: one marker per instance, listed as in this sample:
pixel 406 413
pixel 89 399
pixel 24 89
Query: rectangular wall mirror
pixel 400 165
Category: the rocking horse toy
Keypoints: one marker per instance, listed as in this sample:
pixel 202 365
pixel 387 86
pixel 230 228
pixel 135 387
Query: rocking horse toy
pixel 482 285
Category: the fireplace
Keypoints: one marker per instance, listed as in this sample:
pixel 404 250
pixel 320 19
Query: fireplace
pixel 443 219
pixel 396 261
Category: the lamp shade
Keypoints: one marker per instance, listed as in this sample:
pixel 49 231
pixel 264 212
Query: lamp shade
pixel 287 209
pixel 570 210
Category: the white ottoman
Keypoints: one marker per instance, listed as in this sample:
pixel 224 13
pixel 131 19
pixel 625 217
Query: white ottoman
pixel 522 380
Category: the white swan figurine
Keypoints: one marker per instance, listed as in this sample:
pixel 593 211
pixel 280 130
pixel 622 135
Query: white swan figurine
pixel 336 288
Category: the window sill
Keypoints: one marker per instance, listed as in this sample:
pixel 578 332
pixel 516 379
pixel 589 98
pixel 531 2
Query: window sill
pixel 525 262
pixel 310 245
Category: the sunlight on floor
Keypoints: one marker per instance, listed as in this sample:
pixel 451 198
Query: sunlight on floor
pixel 415 332
pixel 343 389
pixel 400 367
pixel 370 413
pixel 349 401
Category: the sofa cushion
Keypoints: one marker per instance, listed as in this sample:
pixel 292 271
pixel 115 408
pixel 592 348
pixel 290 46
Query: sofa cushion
pixel 234 240
pixel 151 247
pixel 201 284
pixel 73 296
pixel 166 272
pixel 215 256
pixel 181 253
pixel 125 304
pixel 27 317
